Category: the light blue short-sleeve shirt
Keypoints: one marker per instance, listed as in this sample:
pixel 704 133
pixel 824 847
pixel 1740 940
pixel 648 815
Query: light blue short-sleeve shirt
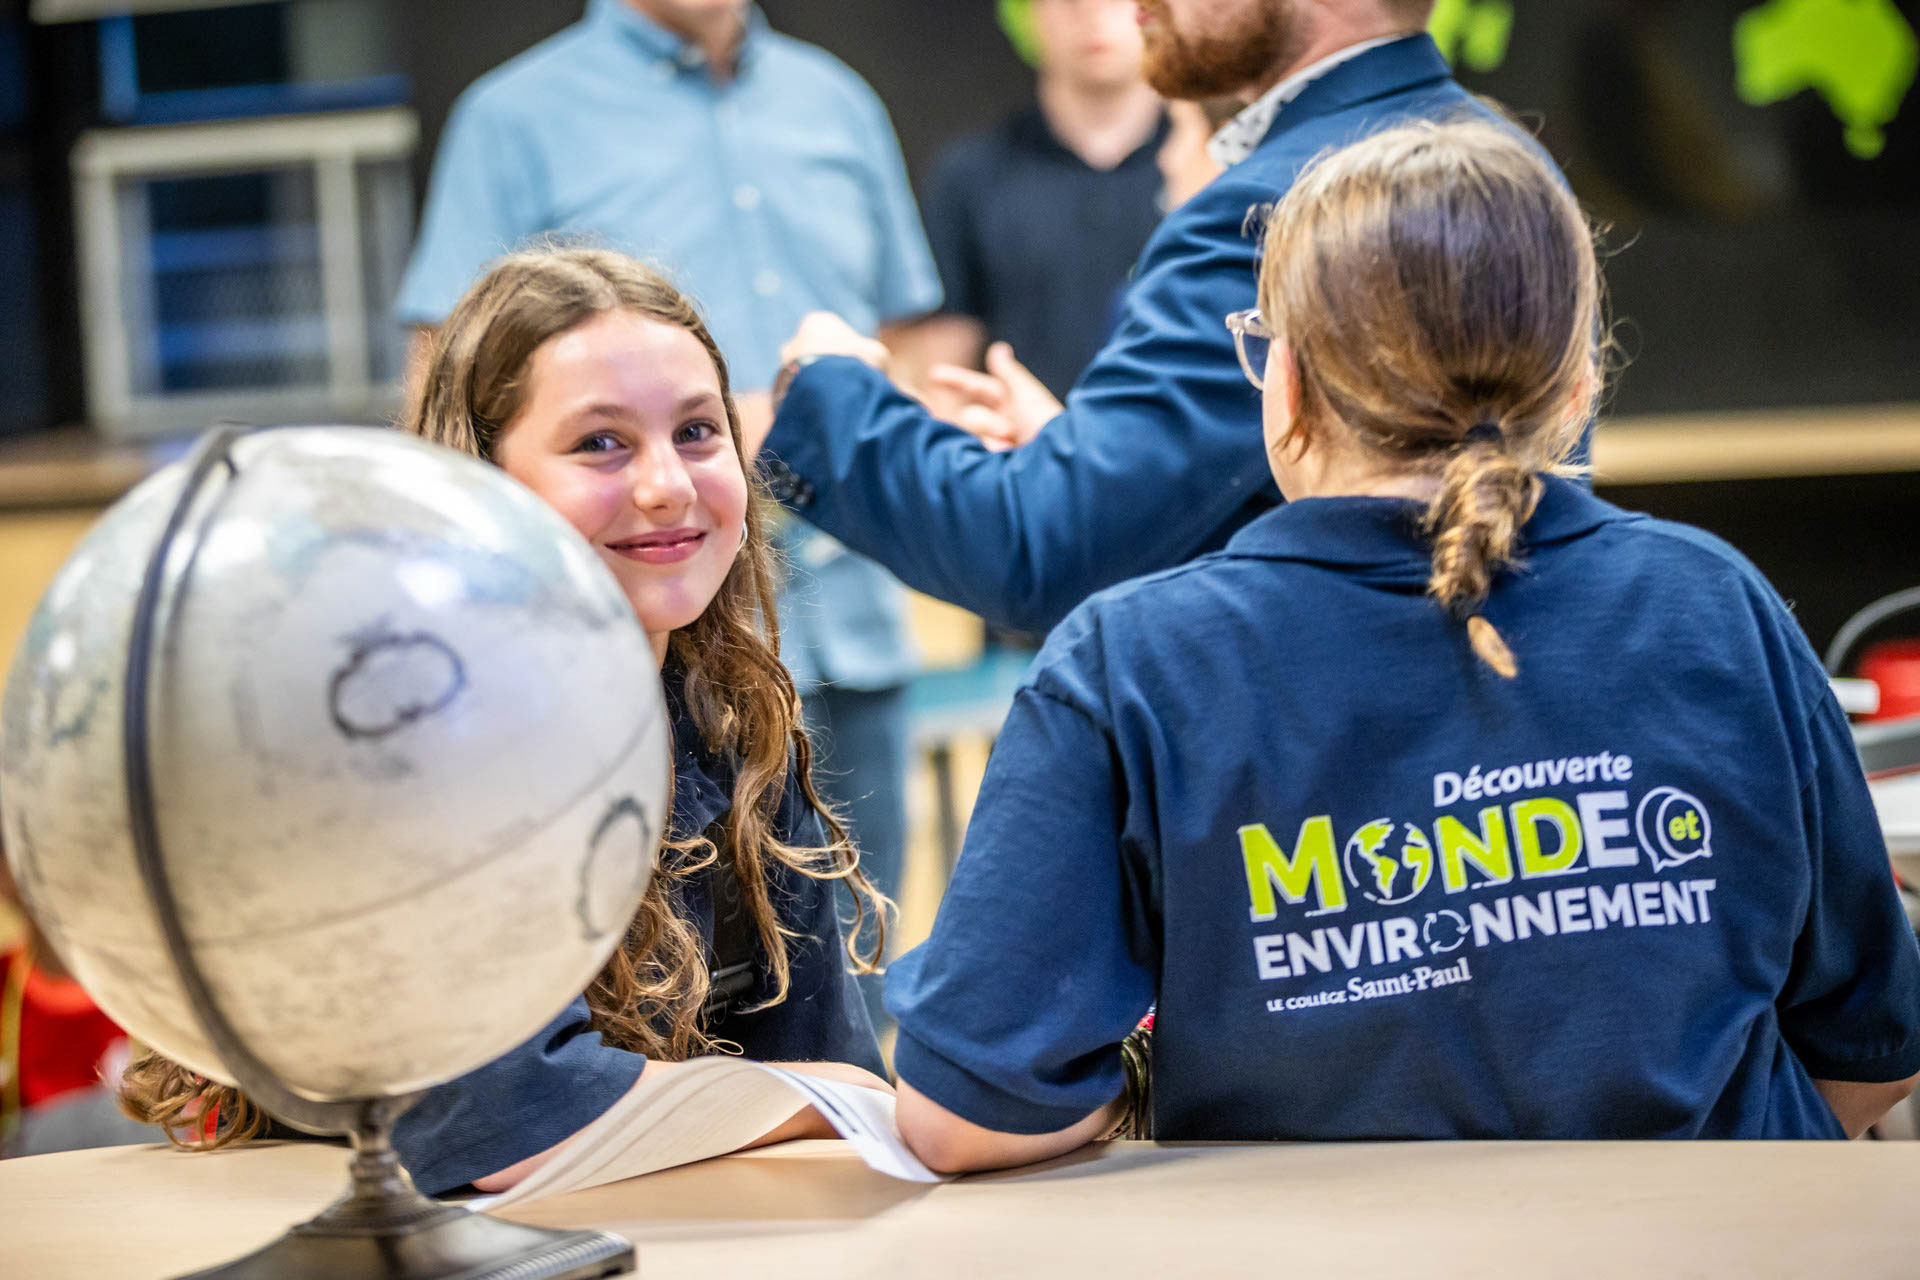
pixel 777 192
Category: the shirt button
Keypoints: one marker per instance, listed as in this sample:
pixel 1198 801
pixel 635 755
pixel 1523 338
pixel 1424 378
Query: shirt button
pixel 767 283
pixel 746 196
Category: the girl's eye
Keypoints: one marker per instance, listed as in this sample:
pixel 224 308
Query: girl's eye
pixel 598 442
pixel 698 432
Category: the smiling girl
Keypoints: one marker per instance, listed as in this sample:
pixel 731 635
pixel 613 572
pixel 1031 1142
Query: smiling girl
pixel 594 382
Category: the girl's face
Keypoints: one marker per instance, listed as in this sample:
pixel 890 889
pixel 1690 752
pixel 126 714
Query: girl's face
pixel 624 433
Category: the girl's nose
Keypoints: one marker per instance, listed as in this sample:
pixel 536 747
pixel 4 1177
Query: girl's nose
pixel 661 482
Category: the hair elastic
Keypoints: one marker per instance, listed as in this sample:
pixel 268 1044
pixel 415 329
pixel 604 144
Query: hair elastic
pixel 1485 430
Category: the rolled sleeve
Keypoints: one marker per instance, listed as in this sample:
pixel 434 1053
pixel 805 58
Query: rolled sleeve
pixel 1011 1015
pixel 1851 1005
pixel 516 1106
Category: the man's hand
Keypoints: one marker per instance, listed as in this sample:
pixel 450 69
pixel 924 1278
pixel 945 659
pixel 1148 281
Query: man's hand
pixel 1005 407
pixel 821 333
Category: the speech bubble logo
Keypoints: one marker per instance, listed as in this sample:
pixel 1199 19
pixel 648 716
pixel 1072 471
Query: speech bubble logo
pixel 1673 827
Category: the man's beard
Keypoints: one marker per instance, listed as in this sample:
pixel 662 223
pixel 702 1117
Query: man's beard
pixel 1179 65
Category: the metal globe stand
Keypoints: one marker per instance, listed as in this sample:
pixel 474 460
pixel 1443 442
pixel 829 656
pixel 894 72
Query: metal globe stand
pixel 383 1227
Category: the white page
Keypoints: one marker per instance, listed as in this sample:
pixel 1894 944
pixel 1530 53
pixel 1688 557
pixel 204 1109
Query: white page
pixel 709 1107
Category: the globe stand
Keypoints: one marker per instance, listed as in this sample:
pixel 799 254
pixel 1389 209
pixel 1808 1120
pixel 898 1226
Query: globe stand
pixel 383 1228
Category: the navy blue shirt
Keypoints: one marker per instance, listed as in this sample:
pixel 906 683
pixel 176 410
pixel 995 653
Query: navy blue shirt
pixel 565 1077
pixel 1158 456
pixel 1035 243
pixel 1380 892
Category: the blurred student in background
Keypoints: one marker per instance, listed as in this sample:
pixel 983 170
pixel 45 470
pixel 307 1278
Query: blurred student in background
pixel 763 176
pixel 1036 222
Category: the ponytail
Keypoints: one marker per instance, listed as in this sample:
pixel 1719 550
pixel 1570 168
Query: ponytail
pixel 1485 498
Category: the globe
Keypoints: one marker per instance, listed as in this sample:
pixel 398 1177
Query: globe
pixel 1388 862
pixel 408 753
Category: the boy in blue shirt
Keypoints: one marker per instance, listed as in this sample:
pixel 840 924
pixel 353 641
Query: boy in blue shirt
pixel 1447 801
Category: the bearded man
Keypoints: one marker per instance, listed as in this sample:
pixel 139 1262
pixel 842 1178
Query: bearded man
pixel 1156 456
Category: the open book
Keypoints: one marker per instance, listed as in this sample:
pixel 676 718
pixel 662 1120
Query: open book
pixel 708 1107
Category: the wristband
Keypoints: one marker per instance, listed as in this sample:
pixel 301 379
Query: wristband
pixel 788 372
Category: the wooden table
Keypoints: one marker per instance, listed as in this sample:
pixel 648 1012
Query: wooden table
pixel 1129 1209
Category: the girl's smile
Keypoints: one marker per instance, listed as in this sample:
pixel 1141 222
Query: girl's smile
pixel 668 547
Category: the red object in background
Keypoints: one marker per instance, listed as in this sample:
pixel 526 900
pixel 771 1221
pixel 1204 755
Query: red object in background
pixel 1894 665
pixel 62 1035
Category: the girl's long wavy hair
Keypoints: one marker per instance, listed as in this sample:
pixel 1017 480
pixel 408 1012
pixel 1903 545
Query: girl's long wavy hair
pixel 1432 279
pixel 740 697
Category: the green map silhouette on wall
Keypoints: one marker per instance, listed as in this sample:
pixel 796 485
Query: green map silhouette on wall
pixel 1472 31
pixel 1859 55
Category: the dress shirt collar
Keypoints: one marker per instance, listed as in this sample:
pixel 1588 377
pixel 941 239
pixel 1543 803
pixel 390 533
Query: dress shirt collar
pixel 659 44
pixel 1239 136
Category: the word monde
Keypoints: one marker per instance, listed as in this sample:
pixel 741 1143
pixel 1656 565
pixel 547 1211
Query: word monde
pixel 1521 835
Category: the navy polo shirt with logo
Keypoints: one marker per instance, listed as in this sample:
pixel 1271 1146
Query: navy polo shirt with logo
pixel 1378 891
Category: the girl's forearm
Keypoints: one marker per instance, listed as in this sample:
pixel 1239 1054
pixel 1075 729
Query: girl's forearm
pixel 946 1143
pixel 1859 1106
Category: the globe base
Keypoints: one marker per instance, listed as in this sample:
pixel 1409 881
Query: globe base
pixel 462 1245
pixel 384 1229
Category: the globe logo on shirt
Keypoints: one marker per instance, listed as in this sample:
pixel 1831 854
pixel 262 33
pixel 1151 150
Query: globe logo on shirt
pixel 1389 862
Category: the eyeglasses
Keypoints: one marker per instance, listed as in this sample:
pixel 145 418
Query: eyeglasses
pixel 1251 341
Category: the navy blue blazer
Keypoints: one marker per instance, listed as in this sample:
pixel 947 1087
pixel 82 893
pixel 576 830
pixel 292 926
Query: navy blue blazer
pixel 1158 456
